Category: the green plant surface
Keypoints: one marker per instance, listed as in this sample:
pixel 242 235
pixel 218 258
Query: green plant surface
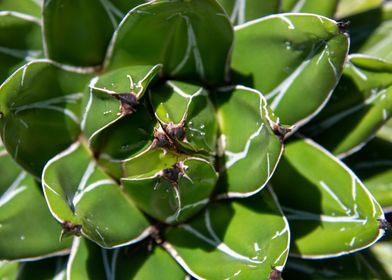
pixel 241 11
pixel 27 230
pixel 234 236
pixel 89 261
pixel 324 8
pixel 293 57
pixel 36 92
pixel 361 104
pixel 324 200
pixel 374 166
pixel 179 43
pixel 20 41
pixel 84 25
pixel 193 139
pixel 29 7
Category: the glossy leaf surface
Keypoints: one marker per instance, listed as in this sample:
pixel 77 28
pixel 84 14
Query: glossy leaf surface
pixel 324 200
pixel 247 144
pixel 361 104
pixel 373 165
pixel 188 105
pixel 89 261
pixel 324 8
pixel 41 106
pixel 20 41
pixel 78 33
pixel 244 239
pixel 183 32
pixel 46 269
pixel 78 192
pixel 241 11
pixel 174 200
pixel 30 7
pixel 27 229
pixel 290 58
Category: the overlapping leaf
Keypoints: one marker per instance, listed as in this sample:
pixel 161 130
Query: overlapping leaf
pixel 89 261
pixel 247 143
pixel 324 8
pixel 30 7
pixel 188 106
pixel 290 58
pixel 373 164
pixel 27 229
pixel 361 104
pixel 244 239
pixel 78 33
pixel 20 40
pixel 171 190
pixel 40 107
pixel 86 200
pixel 179 35
pixel 324 201
pixel 241 11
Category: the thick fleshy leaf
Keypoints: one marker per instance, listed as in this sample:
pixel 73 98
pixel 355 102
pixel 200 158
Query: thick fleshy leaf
pixel 361 104
pixel 78 33
pixel 324 201
pixel 189 106
pixel 30 7
pixel 20 41
pixel 290 58
pixel 379 43
pixel 248 147
pixel 243 239
pixel 84 198
pixel 373 165
pixel 385 132
pixel 104 101
pixel 174 200
pixel 241 11
pixel 324 8
pixel 8 270
pixel 89 261
pixel 40 105
pixel 361 265
pixel 350 7
pixel 178 34
pixel 27 229
pixel 383 253
pixel 46 269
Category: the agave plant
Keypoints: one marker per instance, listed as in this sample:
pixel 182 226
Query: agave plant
pixel 194 139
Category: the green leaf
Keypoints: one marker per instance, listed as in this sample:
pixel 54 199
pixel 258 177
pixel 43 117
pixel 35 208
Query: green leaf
pixel 361 104
pixel 350 7
pixel 355 266
pixel 379 42
pixel 103 97
pixel 178 34
pixel 290 58
pixel 38 100
pixel 189 106
pixel 89 261
pixel 8 270
pixel 78 33
pixel 324 8
pixel 176 193
pixel 247 144
pixel 27 229
pixel 84 198
pixel 46 269
pixel 324 201
pixel 385 132
pixel 245 239
pixel 20 41
pixel 30 7
pixel 241 11
pixel 373 165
